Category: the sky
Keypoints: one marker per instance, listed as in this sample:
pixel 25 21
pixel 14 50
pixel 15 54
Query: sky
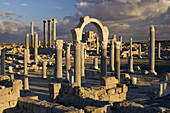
pixel 128 18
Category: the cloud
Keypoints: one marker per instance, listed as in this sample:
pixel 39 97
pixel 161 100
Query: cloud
pixel 7 15
pixel 6 3
pixel 59 8
pixel 130 18
pixel 24 4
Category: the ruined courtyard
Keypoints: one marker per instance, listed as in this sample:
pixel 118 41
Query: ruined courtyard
pixel 91 74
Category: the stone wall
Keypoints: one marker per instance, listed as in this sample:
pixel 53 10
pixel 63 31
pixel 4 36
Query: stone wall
pixel 9 93
pixel 27 105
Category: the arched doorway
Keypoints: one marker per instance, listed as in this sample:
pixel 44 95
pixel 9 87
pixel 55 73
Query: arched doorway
pixel 77 37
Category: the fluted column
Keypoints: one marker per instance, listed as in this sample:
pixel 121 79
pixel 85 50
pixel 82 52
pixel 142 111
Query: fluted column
pixel 152 51
pixel 130 59
pixel 49 33
pixel 58 60
pixel 77 64
pixel 3 61
pixel 139 51
pixel 120 39
pixel 159 50
pixel 68 61
pixel 104 58
pixel 36 49
pixel 25 62
pixel 32 34
pixel 54 32
pixel 117 60
pixel 45 33
pixel 112 56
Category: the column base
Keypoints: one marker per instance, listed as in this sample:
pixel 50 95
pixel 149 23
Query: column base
pixel 43 77
pixel 130 70
pixel 95 67
pixel 153 72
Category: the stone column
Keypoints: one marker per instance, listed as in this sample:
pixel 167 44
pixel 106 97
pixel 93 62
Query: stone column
pixel 130 59
pixel 97 45
pixel 3 61
pixel 120 39
pixel 82 60
pixel 77 64
pixel 68 61
pixel 95 62
pixel 85 53
pixel 152 51
pixel 139 51
pixel 104 58
pixel 32 34
pixel 45 33
pixel 117 60
pixel 49 33
pixel 27 47
pixel 58 60
pixel 26 84
pixel 44 73
pixel 114 38
pixel 25 62
pixel 54 32
pixel 159 50
pixel 112 55
pixel 36 49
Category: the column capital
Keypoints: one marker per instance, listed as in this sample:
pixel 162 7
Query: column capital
pixel 54 20
pixel 31 22
pixel 45 21
pixel 152 28
pixel 77 44
pixel 117 44
pixel 104 45
pixel 114 37
pixel 59 44
pixel 49 20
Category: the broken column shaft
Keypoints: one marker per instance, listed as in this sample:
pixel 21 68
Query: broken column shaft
pixel 77 64
pixel 25 62
pixel 67 61
pixel 3 61
pixel 36 49
pixel 130 59
pixel 32 34
pixel 152 51
pixel 159 50
pixel 104 58
pixel 44 73
pixel 117 60
pixel 54 32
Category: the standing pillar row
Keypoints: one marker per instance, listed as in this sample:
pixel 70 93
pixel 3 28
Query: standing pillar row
pixel 68 61
pixel 130 59
pixel 112 55
pixel 152 51
pixel 36 49
pixel 3 61
pixel 77 64
pixel 117 60
pixel 45 33
pixel 49 33
pixel 58 59
pixel 104 58
pixel 32 34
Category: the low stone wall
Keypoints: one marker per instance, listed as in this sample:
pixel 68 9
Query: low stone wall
pixel 27 105
pixel 9 93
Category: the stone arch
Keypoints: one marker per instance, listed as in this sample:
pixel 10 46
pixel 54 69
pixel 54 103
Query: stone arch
pixel 102 30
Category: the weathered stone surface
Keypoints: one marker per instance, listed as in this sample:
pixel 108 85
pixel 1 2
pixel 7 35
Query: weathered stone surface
pixel 109 82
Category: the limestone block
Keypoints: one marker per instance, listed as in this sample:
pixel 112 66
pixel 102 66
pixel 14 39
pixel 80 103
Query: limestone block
pixel 111 91
pixel 54 88
pixel 109 82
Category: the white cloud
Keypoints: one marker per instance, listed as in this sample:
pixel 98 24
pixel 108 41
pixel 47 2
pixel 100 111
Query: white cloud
pixel 6 3
pixel 24 4
pixel 59 8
